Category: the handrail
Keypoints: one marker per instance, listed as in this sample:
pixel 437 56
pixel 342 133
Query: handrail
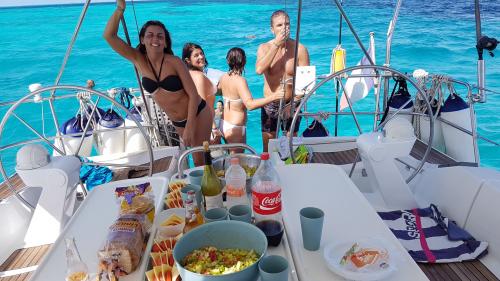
pixel 72 43
pixel 11 110
pixel 186 153
pixel 295 62
pixel 63 66
pixel 420 92
pixel 102 130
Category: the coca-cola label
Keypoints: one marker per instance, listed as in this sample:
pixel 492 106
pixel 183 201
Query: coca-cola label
pixel 266 203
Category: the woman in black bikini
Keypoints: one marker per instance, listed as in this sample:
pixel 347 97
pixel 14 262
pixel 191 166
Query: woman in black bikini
pixel 166 77
pixel 194 58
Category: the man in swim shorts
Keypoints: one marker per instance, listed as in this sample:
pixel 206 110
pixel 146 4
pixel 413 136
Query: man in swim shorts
pixel 275 60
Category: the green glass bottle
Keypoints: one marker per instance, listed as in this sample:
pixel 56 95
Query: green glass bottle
pixel 211 187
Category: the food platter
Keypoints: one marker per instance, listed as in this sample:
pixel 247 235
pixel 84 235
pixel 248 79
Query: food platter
pixel 366 259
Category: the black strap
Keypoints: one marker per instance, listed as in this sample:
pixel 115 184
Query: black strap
pixel 386 112
pixel 153 68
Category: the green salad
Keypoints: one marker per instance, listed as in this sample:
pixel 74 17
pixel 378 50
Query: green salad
pixel 213 261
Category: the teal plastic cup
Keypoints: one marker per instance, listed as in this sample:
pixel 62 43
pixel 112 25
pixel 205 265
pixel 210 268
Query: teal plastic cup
pixel 195 177
pixel 197 193
pixel 217 214
pixel 311 222
pixel 273 268
pixel 240 213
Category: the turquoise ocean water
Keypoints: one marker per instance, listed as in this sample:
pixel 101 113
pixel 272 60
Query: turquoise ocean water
pixel 438 36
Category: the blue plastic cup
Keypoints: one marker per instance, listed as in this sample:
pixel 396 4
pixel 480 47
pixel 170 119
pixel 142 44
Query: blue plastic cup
pixel 197 193
pixel 240 213
pixel 311 222
pixel 217 214
pixel 273 268
pixel 195 177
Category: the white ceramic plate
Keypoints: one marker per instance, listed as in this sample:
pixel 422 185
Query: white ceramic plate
pixel 333 254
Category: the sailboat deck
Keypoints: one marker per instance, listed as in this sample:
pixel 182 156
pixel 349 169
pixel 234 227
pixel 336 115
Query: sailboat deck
pixel 23 260
pixel 16 182
pixel 348 156
pixel 471 270
pixel 21 264
pixel 467 271
pixel 159 165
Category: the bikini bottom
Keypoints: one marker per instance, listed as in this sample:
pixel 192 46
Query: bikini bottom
pixel 226 126
pixel 182 123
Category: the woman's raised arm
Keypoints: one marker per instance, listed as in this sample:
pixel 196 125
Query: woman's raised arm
pixel 111 34
pixel 249 101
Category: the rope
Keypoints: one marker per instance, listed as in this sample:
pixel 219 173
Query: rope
pixel 435 95
pixel 125 98
pixel 135 18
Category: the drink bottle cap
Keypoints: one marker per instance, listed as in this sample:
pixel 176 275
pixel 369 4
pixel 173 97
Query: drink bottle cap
pixel 264 156
pixel 235 161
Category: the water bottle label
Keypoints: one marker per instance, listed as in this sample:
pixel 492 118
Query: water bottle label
pixel 234 191
pixel 266 203
pixel 212 202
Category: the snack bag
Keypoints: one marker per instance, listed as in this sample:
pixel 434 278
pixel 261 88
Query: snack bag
pixel 137 199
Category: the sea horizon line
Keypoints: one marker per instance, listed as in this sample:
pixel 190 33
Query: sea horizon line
pixel 44 3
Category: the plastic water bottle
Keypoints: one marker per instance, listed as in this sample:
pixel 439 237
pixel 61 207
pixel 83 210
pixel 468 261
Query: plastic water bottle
pixel 266 201
pixel 236 178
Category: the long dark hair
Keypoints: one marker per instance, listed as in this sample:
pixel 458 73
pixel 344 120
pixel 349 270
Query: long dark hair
pixel 236 60
pixel 168 41
pixel 187 50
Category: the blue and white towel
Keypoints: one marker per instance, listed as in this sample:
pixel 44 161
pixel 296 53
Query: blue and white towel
pixel 430 237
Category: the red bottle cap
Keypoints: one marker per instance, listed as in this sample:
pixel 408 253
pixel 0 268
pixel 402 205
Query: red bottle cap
pixel 264 156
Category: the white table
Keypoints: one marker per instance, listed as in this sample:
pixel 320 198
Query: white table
pixel 283 249
pixel 348 216
pixel 89 226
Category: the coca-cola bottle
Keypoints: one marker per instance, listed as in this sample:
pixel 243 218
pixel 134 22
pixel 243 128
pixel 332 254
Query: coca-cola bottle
pixel 266 201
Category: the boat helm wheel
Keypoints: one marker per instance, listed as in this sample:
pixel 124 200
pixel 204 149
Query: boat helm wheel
pixel 376 69
pixel 59 102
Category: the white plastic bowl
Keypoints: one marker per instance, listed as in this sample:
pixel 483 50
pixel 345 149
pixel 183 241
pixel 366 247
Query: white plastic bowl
pixel 174 230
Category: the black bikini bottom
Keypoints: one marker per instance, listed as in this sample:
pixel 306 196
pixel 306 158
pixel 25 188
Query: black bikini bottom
pixel 182 123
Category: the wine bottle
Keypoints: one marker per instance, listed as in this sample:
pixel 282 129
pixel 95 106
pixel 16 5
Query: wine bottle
pixel 211 187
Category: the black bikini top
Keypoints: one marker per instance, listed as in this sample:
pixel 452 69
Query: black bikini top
pixel 171 83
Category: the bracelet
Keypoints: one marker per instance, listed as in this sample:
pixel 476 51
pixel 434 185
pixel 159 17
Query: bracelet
pixel 120 8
